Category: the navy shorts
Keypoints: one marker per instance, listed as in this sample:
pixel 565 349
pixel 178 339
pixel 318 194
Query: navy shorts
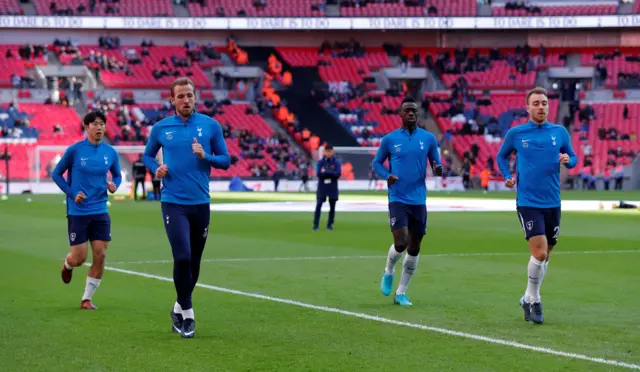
pixel 413 217
pixel 540 221
pixel 88 228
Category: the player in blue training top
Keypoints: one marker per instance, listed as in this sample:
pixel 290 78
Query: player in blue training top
pixel 407 150
pixel 188 140
pixel 87 163
pixel 541 148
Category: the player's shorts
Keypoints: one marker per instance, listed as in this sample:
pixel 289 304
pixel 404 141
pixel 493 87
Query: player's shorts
pixel 88 228
pixel 413 217
pixel 540 221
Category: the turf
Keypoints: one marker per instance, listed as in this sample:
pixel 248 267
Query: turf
pixel 590 305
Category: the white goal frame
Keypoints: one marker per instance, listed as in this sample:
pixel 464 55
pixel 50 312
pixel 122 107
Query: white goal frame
pixel 61 149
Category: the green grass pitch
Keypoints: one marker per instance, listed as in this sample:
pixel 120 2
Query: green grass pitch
pixel 316 302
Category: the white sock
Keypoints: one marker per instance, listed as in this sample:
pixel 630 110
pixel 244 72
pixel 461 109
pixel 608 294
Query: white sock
pixel 392 258
pixel 91 286
pixel 66 264
pixel 535 273
pixel 544 271
pixel 177 308
pixel 409 266
pixel 188 314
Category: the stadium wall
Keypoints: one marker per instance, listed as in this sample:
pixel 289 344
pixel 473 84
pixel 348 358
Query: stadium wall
pixel 372 38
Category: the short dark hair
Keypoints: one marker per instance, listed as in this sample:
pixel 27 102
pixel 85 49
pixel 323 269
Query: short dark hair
pixel 408 99
pixel 536 90
pixel 182 81
pixel 328 147
pixel 92 116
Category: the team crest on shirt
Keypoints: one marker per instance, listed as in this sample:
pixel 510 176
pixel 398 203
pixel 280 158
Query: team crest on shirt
pixel 169 135
pixel 554 140
pixel 72 236
pixel 206 232
pixel 83 161
pixel 525 143
pixel 106 160
pixel 199 132
pixel 421 145
pixel 530 225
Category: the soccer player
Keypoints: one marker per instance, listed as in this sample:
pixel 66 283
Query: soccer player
pixel 188 140
pixel 87 163
pixel 407 150
pixel 541 147
pixel 328 170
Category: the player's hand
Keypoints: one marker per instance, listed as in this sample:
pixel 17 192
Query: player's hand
pixel 437 169
pixel 322 170
pixel 564 158
pixel 510 182
pixel 80 197
pixel 391 180
pixel 111 187
pixel 162 171
pixel 197 149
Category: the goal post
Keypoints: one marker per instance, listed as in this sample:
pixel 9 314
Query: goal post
pixel 45 157
pixel 358 159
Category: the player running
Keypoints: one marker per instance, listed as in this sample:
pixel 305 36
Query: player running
pixel 87 163
pixel 188 140
pixel 407 149
pixel 541 147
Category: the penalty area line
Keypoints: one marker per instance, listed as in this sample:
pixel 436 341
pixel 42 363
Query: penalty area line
pixel 379 319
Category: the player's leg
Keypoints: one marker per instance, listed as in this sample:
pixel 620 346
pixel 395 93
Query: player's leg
pixel 398 221
pixel 320 199
pixel 199 217
pixel 135 189
pixel 176 225
pixel 533 224
pixel 78 241
pixel 417 228
pixel 99 236
pixel 332 213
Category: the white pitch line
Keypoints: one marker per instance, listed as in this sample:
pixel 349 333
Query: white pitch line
pixel 379 319
pixel 327 258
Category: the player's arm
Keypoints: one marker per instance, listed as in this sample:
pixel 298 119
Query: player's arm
pixel 567 148
pixel 116 173
pixel 221 159
pixel 338 171
pixel 320 169
pixel 63 165
pixel 151 150
pixel 503 155
pixel 434 157
pixel 381 156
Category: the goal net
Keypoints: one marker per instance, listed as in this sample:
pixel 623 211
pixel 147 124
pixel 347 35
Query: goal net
pixel 357 164
pixel 44 159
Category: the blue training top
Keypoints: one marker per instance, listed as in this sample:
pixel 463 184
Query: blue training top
pixel 87 165
pixel 538 148
pixel 187 181
pixel 407 154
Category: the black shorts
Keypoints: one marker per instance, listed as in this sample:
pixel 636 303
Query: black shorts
pixel 88 228
pixel 412 216
pixel 540 221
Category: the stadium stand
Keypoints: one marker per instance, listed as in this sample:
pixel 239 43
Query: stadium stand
pixel 10 7
pixel 15 60
pixel 139 8
pixel 514 9
pixel 29 124
pixel 455 8
pixel 140 67
pixel 251 8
